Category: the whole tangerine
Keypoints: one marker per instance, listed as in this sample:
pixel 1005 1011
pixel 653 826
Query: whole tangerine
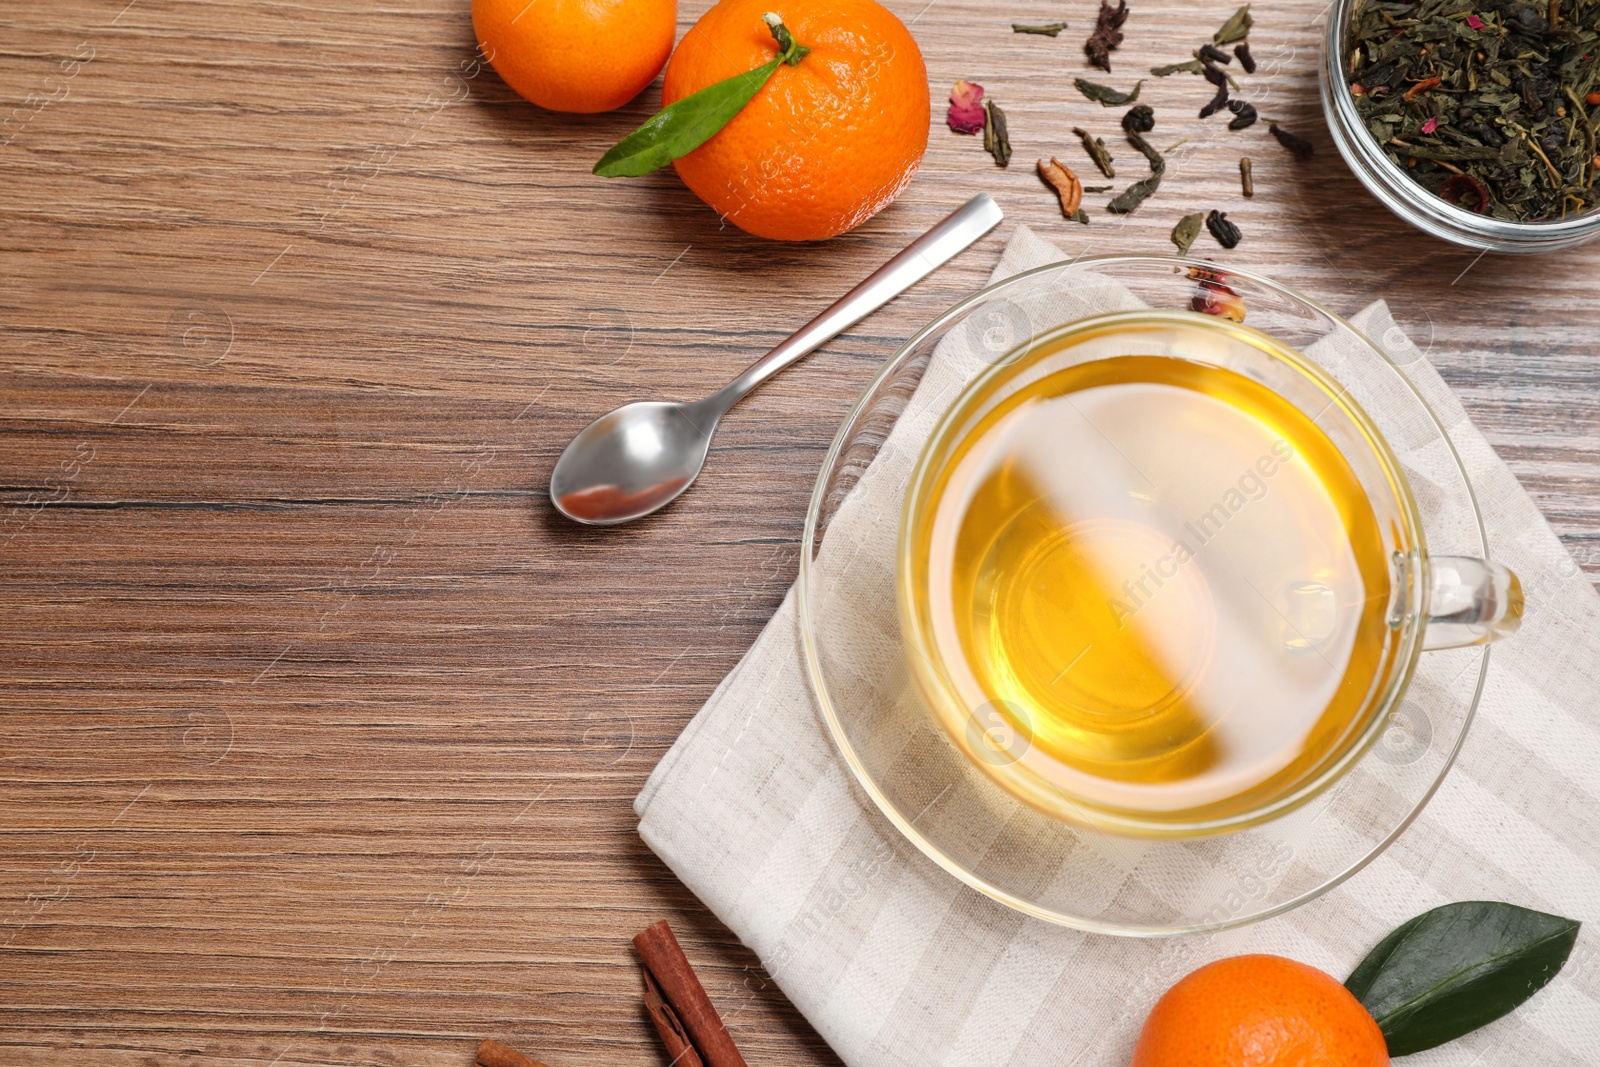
pixel 828 142
pixel 576 55
pixel 1259 1011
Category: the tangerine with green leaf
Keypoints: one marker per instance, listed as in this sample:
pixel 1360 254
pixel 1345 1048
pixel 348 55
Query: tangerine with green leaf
pixel 830 139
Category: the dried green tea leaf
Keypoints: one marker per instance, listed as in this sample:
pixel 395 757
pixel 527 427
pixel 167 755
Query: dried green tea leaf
pixel 1096 147
pixel 1081 216
pixel 1193 66
pixel 1237 28
pixel 996 138
pixel 1187 229
pixel 1130 198
pixel 1047 29
pixel 1157 162
pixel 1105 95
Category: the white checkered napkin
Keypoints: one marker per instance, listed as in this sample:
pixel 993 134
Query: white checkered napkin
pixel 896 962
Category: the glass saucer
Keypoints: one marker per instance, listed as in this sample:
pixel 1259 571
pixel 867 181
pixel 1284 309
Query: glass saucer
pixel 956 814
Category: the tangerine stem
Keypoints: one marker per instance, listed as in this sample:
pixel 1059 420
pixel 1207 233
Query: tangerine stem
pixel 790 50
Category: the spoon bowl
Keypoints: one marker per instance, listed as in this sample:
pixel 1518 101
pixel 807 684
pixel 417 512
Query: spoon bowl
pixel 631 461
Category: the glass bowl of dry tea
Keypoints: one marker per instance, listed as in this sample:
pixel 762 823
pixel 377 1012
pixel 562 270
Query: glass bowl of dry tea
pixel 1477 121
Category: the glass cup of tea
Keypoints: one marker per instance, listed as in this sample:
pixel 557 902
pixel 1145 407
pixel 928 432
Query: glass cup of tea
pixel 1160 574
pixel 1274 525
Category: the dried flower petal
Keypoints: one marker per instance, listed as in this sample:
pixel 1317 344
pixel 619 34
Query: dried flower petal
pixel 1464 190
pixel 1431 125
pixel 1064 182
pixel 1107 34
pixel 1423 86
pixel 1187 229
pixel 966 107
pixel 1216 297
pixel 1476 23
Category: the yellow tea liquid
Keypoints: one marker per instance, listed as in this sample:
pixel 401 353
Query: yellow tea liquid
pixel 1164 578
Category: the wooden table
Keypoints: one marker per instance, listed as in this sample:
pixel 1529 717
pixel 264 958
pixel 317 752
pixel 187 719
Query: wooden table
pixel 320 730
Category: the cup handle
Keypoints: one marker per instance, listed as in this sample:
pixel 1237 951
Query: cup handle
pixel 1470 602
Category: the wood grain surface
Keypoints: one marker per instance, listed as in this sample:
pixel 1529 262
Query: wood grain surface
pixel 320 730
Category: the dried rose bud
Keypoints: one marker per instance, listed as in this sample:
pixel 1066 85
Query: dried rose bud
pixel 1216 296
pixel 966 108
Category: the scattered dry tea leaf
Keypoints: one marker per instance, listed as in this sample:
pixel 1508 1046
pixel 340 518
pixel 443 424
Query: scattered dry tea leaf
pixel 1141 118
pixel 1047 29
pixel 1226 233
pixel 1220 101
pixel 1237 28
pixel 1211 53
pixel 1187 229
pixel 996 138
pixel 1128 201
pixel 1193 66
pixel 1246 60
pixel 1107 35
pixel 1066 184
pixel 1096 147
pixel 1302 148
pixel 1244 114
pixel 1105 95
pixel 966 108
pixel 1247 180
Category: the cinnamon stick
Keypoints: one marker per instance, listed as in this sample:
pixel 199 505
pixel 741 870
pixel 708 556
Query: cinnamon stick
pixel 667 964
pixel 492 1053
pixel 668 1025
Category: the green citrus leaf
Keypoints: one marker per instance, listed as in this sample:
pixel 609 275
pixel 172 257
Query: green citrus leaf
pixel 1453 969
pixel 680 128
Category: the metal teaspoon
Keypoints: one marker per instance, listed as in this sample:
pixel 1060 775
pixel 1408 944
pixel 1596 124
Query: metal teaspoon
pixel 642 456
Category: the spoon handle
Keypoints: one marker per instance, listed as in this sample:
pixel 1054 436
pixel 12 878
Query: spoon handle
pixel 919 259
